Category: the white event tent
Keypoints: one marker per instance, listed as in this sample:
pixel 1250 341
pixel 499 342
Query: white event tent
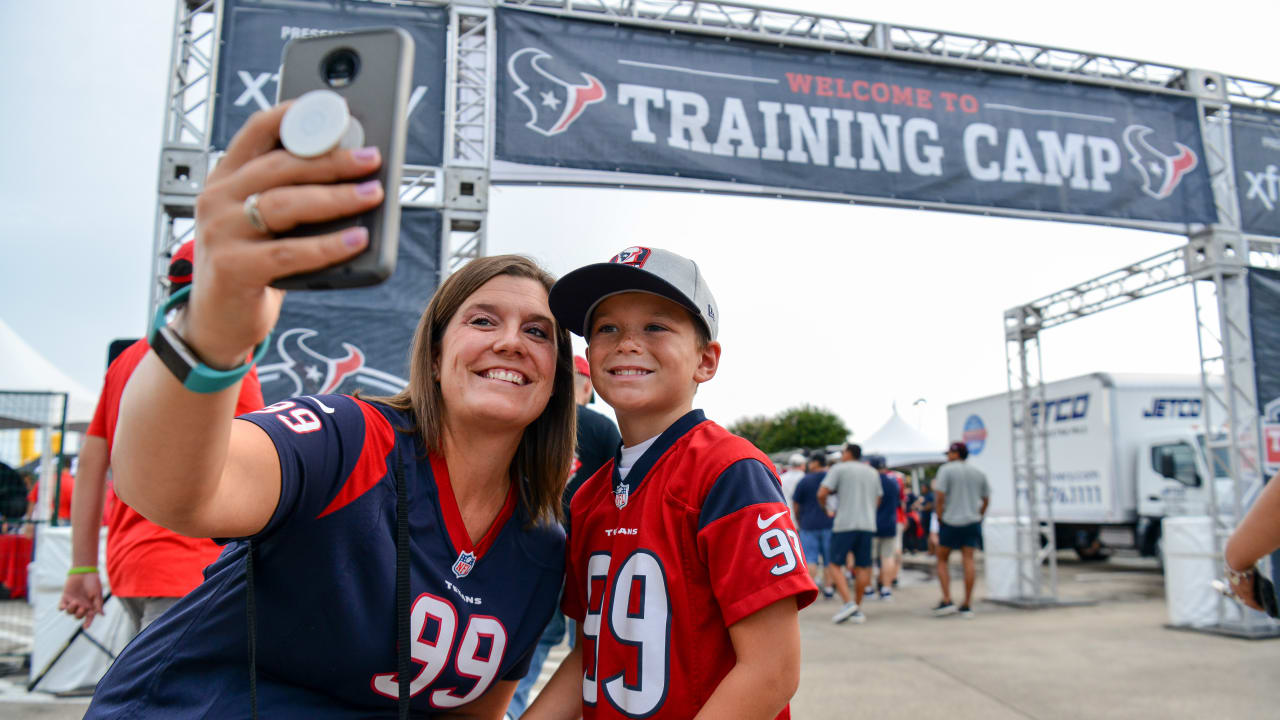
pixel 902 445
pixel 24 369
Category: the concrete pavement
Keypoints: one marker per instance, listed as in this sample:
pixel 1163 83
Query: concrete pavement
pixel 1110 660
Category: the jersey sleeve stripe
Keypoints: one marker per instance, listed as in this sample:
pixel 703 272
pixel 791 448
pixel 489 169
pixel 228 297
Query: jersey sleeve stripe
pixel 371 466
pixel 798 585
pixel 744 483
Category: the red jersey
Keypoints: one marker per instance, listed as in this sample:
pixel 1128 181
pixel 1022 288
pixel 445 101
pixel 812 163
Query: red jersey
pixel 66 488
pixel 902 495
pixel 144 559
pixel 661 563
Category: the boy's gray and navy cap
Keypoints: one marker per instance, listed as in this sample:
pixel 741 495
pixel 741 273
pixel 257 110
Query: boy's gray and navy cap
pixel 642 269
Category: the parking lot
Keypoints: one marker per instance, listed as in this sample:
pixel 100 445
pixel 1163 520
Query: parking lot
pixel 1112 659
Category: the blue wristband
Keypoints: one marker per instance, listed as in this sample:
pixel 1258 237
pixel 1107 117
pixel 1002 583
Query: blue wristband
pixel 184 363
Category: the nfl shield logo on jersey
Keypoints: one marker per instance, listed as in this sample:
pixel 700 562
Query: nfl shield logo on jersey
pixel 462 566
pixel 620 495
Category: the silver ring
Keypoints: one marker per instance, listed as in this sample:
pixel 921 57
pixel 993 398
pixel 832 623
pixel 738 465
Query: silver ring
pixel 254 215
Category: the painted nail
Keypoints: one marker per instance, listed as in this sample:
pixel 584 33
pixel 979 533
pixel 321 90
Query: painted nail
pixel 367 188
pixel 365 154
pixel 355 237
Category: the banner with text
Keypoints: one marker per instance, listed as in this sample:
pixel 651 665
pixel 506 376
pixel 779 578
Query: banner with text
pixel 1255 147
pixel 254 33
pixel 340 341
pixel 611 97
pixel 1264 308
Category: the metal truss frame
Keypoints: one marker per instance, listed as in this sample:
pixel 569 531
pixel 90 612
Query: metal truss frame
pixel 184 155
pixel 459 188
pixel 904 42
pixel 1029 447
pixel 1214 261
pixel 461 185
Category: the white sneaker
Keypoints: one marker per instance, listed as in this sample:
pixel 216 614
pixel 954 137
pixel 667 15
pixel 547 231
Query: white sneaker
pixel 849 610
pixel 886 595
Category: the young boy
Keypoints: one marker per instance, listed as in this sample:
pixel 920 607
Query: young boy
pixel 683 569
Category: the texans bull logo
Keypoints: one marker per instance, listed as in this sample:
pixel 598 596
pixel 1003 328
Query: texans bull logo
pixel 1160 172
pixel 553 103
pixel 311 373
pixel 634 256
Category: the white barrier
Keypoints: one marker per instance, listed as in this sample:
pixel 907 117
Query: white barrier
pixel 1190 565
pixel 1000 558
pixel 83 664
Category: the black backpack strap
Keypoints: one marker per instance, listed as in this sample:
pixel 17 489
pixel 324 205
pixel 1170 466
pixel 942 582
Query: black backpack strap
pixel 402 589
pixel 403 661
pixel 253 631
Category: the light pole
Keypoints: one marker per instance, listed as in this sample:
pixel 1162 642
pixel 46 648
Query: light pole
pixel 919 405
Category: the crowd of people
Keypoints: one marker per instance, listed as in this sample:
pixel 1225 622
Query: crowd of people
pixel 856 518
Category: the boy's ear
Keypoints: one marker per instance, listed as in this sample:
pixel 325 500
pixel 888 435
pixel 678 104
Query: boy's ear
pixel 708 362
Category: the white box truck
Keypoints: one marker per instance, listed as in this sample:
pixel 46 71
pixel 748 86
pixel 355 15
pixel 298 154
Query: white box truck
pixel 1124 451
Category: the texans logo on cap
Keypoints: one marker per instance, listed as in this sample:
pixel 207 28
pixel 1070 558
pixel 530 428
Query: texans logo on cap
pixel 633 256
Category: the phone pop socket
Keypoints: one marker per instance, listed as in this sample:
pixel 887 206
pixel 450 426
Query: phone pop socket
pixel 317 122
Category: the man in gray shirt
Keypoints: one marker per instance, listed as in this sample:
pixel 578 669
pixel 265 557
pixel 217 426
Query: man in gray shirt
pixel 856 486
pixel 961 495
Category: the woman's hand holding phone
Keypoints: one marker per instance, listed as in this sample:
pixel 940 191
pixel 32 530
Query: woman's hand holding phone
pixel 232 304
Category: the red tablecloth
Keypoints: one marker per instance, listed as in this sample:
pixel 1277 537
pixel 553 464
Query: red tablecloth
pixel 15 555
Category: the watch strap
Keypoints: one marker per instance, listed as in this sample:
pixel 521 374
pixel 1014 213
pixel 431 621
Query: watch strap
pixel 184 363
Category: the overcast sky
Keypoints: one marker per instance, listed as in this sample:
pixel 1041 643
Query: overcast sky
pixel 851 308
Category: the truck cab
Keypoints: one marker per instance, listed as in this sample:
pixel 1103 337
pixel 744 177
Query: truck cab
pixel 1173 474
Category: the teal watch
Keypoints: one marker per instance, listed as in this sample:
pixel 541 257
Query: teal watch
pixel 184 363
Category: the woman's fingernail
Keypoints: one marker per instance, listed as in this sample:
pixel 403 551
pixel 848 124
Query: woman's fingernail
pixel 367 188
pixel 365 154
pixel 355 237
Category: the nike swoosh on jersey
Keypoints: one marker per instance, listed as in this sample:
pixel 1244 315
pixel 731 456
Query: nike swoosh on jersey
pixel 763 523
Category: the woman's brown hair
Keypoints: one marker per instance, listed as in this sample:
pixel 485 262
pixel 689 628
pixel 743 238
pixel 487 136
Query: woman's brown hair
pixel 542 461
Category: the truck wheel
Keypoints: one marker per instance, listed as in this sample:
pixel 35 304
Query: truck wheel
pixel 1089 547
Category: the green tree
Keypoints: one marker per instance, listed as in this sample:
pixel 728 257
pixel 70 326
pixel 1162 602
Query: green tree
pixel 805 426
pixel 752 428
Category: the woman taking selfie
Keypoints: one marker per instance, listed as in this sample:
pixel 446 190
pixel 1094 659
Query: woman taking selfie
pixel 389 555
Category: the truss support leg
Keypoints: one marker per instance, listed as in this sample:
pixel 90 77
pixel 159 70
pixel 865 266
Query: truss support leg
pixel 1218 261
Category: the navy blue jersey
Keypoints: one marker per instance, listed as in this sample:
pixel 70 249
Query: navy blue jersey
pixel 887 510
pixel 325 588
pixel 813 515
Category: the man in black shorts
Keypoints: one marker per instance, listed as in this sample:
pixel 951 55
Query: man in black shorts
pixel 961 496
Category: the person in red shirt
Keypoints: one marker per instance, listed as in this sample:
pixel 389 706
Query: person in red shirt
pixel 149 567
pixel 66 486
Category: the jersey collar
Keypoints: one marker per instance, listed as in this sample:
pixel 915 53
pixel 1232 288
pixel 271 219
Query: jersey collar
pixel 456 529
pixel 641 469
